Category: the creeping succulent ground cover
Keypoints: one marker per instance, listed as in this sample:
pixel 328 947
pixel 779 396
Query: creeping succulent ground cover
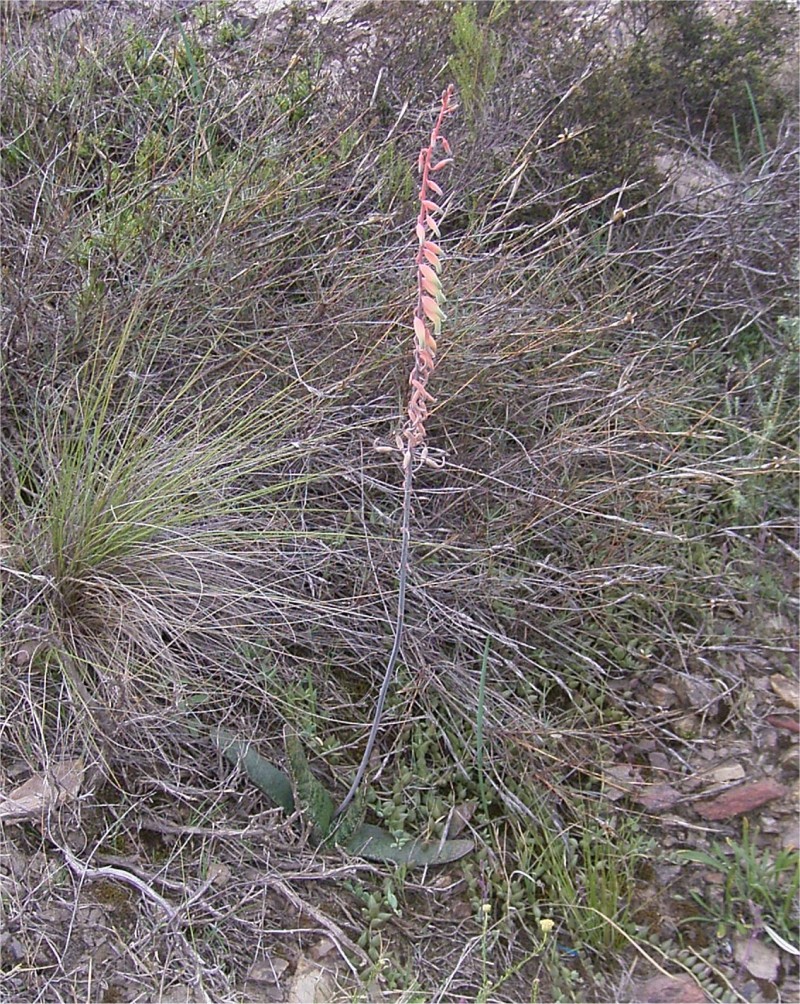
pixel 584 787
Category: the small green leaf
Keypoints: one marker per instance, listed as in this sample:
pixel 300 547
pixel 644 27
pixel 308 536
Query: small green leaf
pixel 701 858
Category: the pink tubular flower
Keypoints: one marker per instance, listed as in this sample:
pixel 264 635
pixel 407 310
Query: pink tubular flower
pixel 428 313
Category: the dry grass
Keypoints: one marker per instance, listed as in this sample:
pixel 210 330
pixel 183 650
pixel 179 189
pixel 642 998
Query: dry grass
pixel 207 296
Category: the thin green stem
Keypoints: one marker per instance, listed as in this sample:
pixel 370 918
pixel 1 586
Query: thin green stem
pixel 408 463
pixel 479 726
pixel 762 143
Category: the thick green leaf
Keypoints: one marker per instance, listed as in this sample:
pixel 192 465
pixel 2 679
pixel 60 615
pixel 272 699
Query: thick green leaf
pixel 350 822
pixel 376 844
pixel 273 782
pixel 313 800
pixel 315 804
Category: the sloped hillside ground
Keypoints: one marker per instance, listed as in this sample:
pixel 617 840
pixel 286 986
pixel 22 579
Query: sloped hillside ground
pixel 208 271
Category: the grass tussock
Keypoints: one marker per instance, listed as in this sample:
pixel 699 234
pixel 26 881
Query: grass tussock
pixel 208 244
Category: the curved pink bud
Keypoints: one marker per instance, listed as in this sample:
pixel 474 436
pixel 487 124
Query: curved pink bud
pixel 432 309
pixel 431 256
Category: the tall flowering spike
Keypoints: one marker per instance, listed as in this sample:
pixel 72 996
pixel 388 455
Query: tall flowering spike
pixel 428 313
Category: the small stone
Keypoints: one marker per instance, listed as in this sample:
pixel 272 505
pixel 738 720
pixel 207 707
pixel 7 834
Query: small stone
pixel 751 991
pixel 687 727
pixel 667 874
pixel 743 798
pixel 696 693
pixel 768 824
pixel 62 19
pixel 670 990
pixel 15 950
pixel 659 760
pixel 768 739
pixel 320 949
pixel 460 910
pixel 724 773
pixel 663 696
pixel 618 781
pixel 790 836
pixel 260 993
pixel 218 873
pixel 788 690
pixel 311 984
pixel 103 953
pixel 94 917
pixel 657 797
pixel 459 818
pixel 179 993
pixel 59 784
pixel 760 960
pixel 267 970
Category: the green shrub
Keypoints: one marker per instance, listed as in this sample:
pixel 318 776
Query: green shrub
pixel 684 69
pixel 717 76
pixel 476 60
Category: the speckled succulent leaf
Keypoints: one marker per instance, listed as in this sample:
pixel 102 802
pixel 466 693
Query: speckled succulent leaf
pixel 313 801
pixel 346 826
pixel 349 831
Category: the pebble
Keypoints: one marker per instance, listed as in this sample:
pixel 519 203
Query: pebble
pixel 670 990
pixel 742 798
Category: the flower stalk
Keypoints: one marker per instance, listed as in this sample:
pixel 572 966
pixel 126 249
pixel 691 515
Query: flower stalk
pixel 427 327
pixel 428 313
